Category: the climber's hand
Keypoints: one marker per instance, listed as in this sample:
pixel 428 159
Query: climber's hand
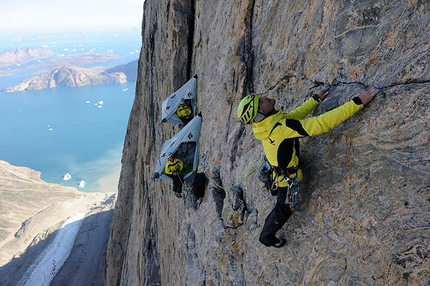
pixel 368 94
pixel 322 93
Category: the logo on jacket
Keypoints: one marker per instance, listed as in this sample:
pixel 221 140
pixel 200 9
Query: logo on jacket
pixel 272 142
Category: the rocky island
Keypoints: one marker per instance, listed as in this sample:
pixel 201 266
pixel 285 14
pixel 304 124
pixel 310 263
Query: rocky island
pixel 75 77
pixel 67 71
pixel 23 56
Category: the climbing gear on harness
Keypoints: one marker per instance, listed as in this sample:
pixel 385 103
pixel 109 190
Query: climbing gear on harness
pixel 293 197
pixel 248 108
pixel 269 175
pixel 291 171
pixel 265 175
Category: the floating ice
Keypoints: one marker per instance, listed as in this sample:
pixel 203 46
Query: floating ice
pixel 67 177
pixel 82 184
pixel 87 101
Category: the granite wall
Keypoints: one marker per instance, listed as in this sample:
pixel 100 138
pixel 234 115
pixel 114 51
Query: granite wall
pixel 366 194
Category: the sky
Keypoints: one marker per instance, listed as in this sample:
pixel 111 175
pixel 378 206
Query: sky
pixel 66 14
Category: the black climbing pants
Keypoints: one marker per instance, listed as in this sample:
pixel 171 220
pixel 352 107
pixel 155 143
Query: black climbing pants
pixel 177 184
pixel 276 219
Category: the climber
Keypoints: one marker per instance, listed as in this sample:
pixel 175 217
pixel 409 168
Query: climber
pixel 279 133
pixel 184 112
pixel 173 169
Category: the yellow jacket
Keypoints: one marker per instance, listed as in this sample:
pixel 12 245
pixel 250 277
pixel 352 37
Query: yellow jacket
pixel 279 132
pixel 173 166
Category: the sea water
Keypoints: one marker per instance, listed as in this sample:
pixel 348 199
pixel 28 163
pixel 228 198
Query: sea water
pixel 72 135
pixel 79 131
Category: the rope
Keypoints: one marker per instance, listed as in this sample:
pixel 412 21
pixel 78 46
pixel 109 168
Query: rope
pixel 183 184
pixel 204 168
pixel 237 184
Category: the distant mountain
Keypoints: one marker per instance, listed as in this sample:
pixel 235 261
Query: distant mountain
pixel 130 70
pixel 23 56
pixel 75 77
pixel 42 59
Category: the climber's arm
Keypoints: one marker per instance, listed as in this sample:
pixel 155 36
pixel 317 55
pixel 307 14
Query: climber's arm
pixel 303 110
pixel 323 123
pixel 168 169
pixel 328 120
pixel 181 165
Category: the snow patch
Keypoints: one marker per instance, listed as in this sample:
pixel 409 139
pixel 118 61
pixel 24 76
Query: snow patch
pixel 50 260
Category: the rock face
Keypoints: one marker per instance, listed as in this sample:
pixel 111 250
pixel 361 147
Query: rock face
pixel 366 194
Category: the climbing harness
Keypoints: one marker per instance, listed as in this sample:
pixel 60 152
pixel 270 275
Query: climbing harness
pixel 269 176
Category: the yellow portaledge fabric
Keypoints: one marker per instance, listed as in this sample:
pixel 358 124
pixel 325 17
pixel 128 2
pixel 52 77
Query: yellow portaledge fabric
pixel 275 129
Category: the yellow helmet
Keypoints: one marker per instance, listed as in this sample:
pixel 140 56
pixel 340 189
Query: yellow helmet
pixel 248 108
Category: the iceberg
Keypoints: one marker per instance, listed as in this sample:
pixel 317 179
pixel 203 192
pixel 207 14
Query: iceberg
pixel 67 177
pixel 82 184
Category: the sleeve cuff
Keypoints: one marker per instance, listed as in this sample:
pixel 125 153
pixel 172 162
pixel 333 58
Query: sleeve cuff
pixel 317 99
pixel 357 100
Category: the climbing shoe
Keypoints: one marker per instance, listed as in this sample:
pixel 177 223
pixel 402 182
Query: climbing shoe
pixel 281 242
pixel 178 195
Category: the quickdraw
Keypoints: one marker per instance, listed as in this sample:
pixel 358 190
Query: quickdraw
pixel 293 197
